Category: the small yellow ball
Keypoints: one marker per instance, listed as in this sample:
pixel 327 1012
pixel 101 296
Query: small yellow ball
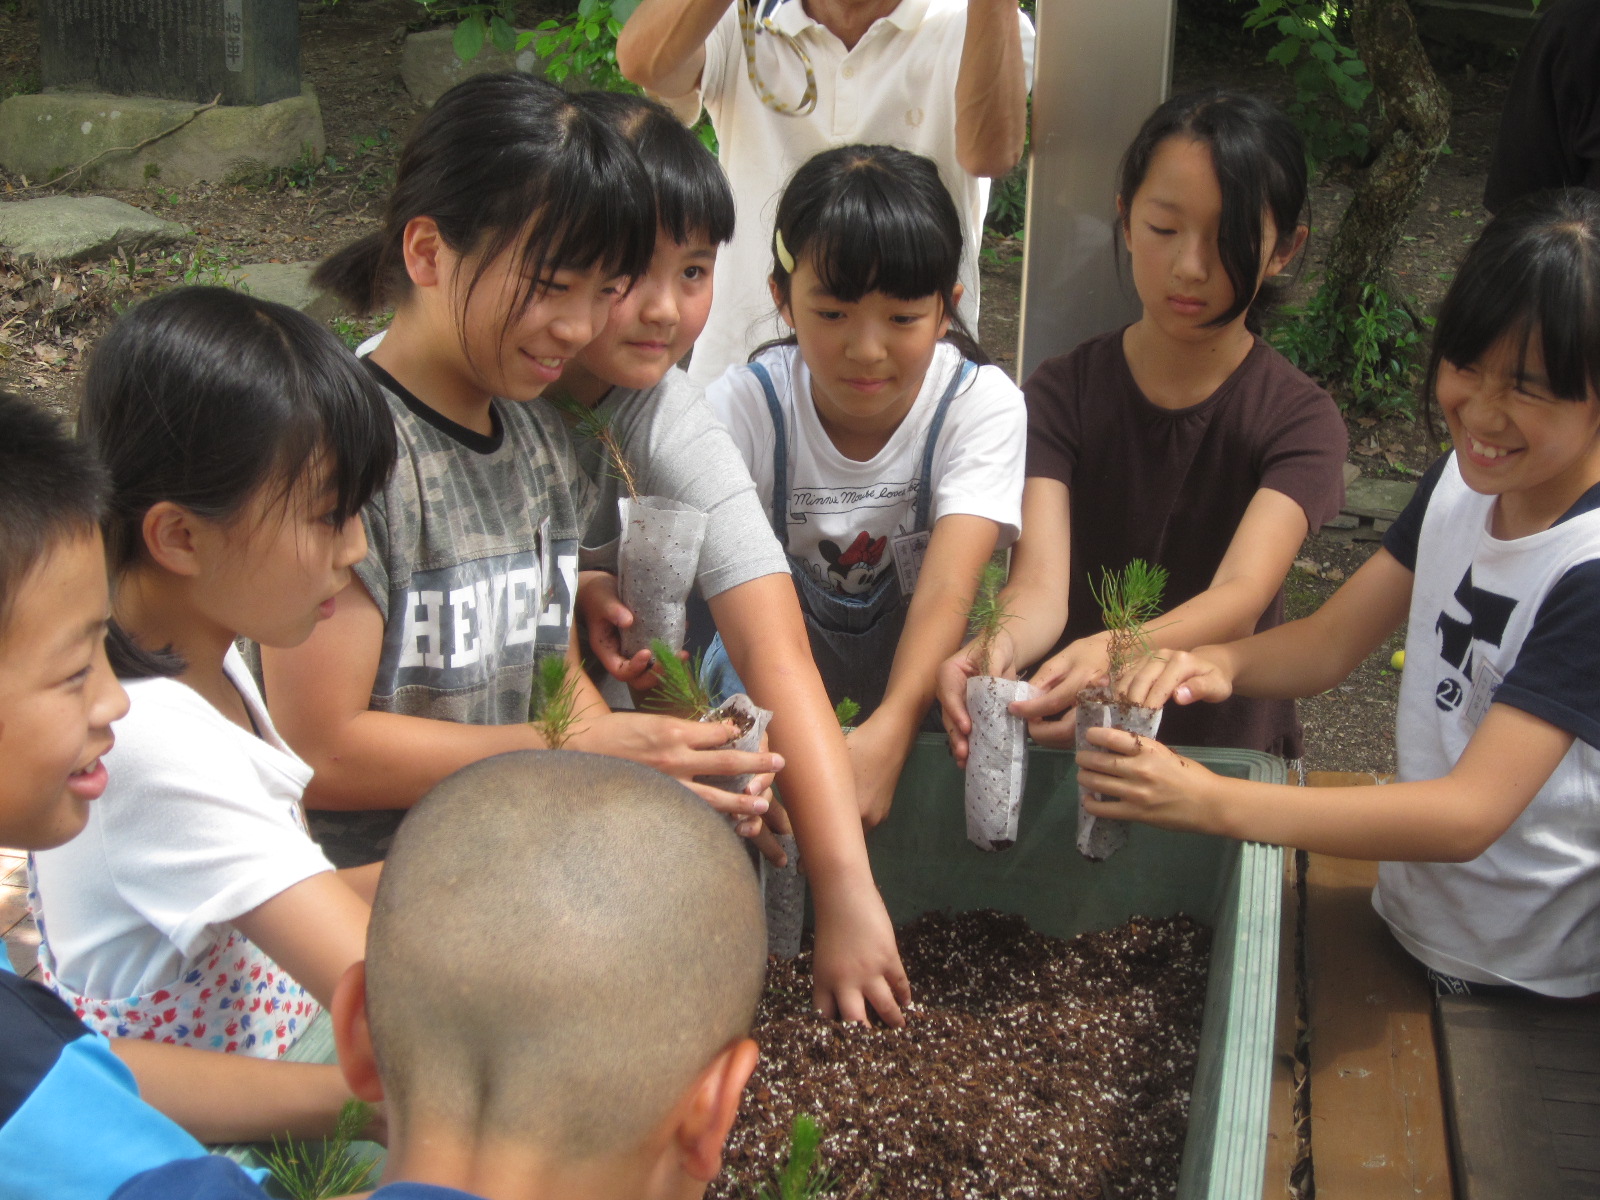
pixel 1397 660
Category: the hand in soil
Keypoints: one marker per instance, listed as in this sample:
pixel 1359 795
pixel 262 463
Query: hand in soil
pixel 950 687
pixel 1150 782
pixel 1179 675
pixel 684 750
pixel 1058 680
pixel 857 967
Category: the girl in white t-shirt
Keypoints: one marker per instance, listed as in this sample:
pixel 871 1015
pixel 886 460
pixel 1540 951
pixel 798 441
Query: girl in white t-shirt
pixel 889 456
pixel 1493 873
pixel 242 440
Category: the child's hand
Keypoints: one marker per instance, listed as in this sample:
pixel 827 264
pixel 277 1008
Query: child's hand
pixel 877 753
pixel 950 686
pixel 1150 782
pixel 1180 675
pixel 602 614
pixel 685 749
pixel 855 963
pixel 1058 681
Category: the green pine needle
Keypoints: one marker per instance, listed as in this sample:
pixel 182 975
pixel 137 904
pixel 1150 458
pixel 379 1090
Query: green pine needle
pixel 846 712
pixel 309 1170
pixel 988 614
pixel 680 691
pixel 587 422
pixel 1128 599
pixel 554 707
pixel 802 1176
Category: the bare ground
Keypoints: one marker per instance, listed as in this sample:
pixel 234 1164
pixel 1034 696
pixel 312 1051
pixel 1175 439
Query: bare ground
pixel 351 55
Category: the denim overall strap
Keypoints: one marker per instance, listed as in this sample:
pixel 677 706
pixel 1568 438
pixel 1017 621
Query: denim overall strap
pixel 925 483
pixel 780 456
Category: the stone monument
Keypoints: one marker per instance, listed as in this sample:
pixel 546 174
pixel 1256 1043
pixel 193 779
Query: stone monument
pixel 172 90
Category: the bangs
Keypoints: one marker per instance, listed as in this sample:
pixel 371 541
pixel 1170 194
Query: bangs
pixel 864 242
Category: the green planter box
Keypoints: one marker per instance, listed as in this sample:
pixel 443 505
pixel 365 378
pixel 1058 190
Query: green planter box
pixel 923 862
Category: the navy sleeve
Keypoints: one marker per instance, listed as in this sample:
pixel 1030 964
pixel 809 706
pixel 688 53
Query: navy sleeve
pixel 1401 538
pixel 1557 673
pixel 38 1027
pixel 209 1178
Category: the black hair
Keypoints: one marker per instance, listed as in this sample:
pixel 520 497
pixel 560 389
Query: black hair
pixel 874 219
pixel 51 490
pixel 691 191
pixel 502 159
pixel 208 397
pixel 1260 161
pixel 1534 271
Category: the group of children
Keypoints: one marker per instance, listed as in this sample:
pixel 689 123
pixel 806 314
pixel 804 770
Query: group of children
pixel 405 536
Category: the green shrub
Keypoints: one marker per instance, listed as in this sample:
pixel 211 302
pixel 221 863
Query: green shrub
pixel 1330 84
pixel 1368 358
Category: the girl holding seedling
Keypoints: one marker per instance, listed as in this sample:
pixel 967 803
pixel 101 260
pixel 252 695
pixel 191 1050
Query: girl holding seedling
pixel 886 453
pixel 517 218
pixel 1493 878
pixel 670 443
pixel 1183 439
pixel 242 441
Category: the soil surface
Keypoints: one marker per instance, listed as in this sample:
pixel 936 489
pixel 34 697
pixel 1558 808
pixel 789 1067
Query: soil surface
pixel 1028 1067
pixel 351 56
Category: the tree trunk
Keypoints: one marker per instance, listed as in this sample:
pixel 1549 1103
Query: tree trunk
pixel 1413 122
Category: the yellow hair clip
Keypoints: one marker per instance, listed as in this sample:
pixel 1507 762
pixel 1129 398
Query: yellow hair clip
pixel 785 259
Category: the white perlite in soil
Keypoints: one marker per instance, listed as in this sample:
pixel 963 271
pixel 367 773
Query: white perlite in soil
pixel 752 721
pixel 1100 837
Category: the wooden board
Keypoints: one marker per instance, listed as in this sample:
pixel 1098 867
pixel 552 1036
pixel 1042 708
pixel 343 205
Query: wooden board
pixel 1377 1114
pixel 1523 1085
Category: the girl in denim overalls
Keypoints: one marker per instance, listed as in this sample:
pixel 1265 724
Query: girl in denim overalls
pixel 890 452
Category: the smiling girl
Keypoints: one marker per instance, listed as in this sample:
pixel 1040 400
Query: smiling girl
pixel 1182 439
pixel 1493 878
pixel 886 453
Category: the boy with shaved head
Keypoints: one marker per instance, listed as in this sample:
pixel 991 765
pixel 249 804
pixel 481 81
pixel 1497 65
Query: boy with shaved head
pixel 565 955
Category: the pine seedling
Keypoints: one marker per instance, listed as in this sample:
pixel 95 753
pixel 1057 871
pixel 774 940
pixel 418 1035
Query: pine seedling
pixel 988 614
pixel 587 422
pixel 554 707
pixel 313 1171
pixel 802 1176
pixel 846 712
pixel 679 691
pixel 1128 599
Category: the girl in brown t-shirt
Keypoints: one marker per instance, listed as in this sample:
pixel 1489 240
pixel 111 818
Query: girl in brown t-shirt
pixel 1182 439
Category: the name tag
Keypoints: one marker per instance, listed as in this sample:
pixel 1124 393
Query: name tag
pixel 909 551
pixel 1485 683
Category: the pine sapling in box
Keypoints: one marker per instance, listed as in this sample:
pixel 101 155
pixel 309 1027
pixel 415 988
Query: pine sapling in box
pixel 553 707
pixel 658 553
pixel 1128 599
pixel 997 748
pixel 681 694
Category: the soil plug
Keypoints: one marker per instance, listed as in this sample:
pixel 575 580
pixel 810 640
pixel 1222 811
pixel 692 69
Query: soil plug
pixel 997 748
pixel 784 890
pixel 658 553
pixel 681 694
pixel 1128 600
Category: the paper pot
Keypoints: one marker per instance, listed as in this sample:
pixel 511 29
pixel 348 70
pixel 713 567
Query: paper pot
pixel 658 556
pixel 752 721
pixel 784 890
pixel 1100 837
pixel 997 761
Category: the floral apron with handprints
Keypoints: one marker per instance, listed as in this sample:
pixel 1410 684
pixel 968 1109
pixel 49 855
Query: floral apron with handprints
pixel 232 998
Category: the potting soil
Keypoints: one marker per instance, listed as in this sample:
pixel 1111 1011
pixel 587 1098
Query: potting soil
pixel 1029 1067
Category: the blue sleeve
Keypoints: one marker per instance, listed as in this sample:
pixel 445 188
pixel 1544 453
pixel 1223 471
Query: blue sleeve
pixel 195 1179
pixel 1557 673
pixel 72 1125
pixel 1401 538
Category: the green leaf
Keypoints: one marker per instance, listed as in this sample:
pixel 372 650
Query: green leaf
pixel 586 7
pixel 501 34
pixel 468 39
pixel 1284 53
pixel 623 9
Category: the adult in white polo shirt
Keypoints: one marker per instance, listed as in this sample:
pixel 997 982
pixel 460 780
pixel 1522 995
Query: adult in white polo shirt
pixel 945 78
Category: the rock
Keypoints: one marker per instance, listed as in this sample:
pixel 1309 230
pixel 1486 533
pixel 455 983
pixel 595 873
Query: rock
pixel 81 228
pixel 1351 473
pixel 1378 499
pixel 44 135
pixel 429 67
pixel 287 283
pixel 1343 521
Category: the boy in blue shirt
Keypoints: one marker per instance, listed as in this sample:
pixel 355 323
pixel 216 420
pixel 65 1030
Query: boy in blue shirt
pixel 564 959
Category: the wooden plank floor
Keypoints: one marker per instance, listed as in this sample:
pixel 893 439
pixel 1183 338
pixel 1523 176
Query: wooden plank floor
pixel 1522 1080
pixel 16 926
